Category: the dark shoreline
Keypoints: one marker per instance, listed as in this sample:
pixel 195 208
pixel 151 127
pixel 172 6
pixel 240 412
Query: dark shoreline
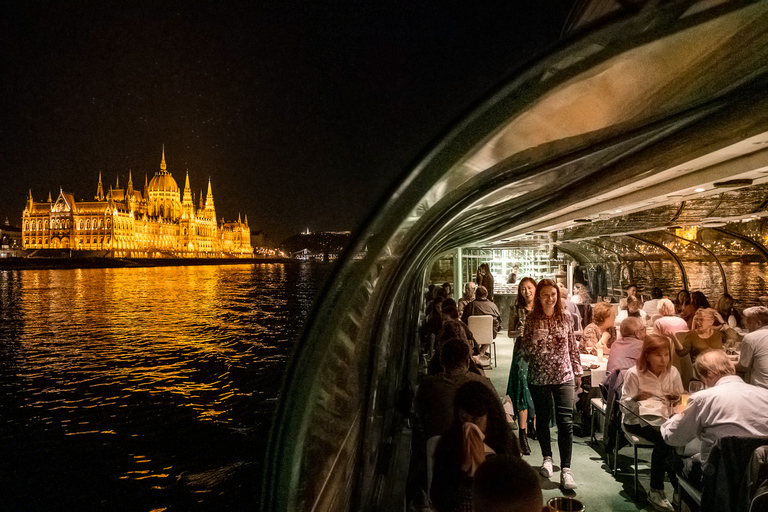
pixel 71 263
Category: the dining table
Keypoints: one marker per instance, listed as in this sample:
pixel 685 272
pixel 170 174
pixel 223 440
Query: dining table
pixel 594 366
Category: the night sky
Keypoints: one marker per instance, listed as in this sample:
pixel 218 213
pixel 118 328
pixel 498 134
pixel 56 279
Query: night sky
pixel 303 114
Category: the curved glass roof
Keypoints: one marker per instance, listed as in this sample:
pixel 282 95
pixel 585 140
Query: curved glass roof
pixel 615 146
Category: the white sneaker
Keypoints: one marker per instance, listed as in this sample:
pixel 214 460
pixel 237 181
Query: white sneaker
pixel 659 501
pixel 546 467
pixel 566 479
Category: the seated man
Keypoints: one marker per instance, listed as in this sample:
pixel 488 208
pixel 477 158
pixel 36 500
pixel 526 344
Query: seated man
pixel 651 306
pixel 754 347
pixel 507 484
pixel 727 407
pixel 434 398
pixel 626 350
pixel 482 306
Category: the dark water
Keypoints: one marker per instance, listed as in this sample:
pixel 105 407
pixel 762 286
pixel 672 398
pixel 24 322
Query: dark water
pixel 143 389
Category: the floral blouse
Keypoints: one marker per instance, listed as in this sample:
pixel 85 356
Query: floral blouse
pixel 590 340
pixel 555 359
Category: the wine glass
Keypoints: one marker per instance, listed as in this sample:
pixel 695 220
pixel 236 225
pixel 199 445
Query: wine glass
pixel 694 386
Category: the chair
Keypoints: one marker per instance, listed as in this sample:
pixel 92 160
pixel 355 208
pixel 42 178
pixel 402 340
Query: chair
pixel 636 442
pixel 482 329
pixel 597 406
pixel 655 317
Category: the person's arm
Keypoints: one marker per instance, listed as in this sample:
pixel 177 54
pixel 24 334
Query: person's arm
pixel 682 349
pixel 573 347
pixel 745 358
pixel 589 339
pixel 682 428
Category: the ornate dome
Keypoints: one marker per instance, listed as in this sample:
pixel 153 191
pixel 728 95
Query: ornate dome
pixel 163 181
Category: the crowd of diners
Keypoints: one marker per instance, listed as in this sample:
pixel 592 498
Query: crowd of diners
pixel 467 456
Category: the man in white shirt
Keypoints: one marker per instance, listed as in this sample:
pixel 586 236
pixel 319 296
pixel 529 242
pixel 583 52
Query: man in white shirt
pixel 754 348
pixel 727 407
pixel 650 307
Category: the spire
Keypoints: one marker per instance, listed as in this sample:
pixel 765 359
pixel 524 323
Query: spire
pixel 209 197
pixel 99 190
pixel 163 167
pixel 30 200
pixel 246 219
pixel 129 191
pixel 49 197
pixel 117 183
pixel 186 200
pixel 201 200
pixel 145 186
pixel 238 218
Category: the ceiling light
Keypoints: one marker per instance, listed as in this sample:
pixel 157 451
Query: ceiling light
pixel 618 211
pixel 699 189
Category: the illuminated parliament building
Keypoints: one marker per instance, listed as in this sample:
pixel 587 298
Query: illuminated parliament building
pixel 159 222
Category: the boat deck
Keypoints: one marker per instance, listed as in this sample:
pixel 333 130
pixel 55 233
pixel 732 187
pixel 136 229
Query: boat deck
pixel 598 489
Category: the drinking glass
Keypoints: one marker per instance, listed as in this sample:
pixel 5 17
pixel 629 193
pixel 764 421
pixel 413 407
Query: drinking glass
pixel 694 386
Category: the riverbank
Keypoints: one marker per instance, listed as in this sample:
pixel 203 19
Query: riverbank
pixel 67 263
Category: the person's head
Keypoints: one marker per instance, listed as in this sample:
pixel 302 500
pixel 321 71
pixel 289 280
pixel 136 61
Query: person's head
pixel 665 307
pixel 633 304
pixel 682 297
pixel 547 296
pixel 454 355
pixel 699 300
pixel 442 292
pixel 724 304
pixel 712 365
pixel 656 293
pixel 526 289
pixel 656 354
pixel 603 314
pixel 481 293
pixel 436 306
pixel 515 268
pixel 632 327
pixel 705 319
pixel 451 329
pixel 448 287
pixel 506 484
pixel 631 290
pixel 448 303
pixel 449 312
pixel 475 402
pixel 469 291
pixel 755 317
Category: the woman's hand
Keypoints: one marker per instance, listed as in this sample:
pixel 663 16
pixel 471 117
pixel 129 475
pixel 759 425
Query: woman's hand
pixel 643 395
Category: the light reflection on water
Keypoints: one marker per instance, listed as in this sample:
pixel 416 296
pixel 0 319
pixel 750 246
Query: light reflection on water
pixel 143 389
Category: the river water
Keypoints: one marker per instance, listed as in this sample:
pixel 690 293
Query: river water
pixel 143 389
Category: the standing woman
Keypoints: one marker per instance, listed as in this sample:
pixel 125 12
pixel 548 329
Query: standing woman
pixel 517 385
pixel 554 370
pixel 485 278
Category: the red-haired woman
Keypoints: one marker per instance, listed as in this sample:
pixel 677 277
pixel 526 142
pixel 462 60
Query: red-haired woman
pixel 654 383
pixel 554 370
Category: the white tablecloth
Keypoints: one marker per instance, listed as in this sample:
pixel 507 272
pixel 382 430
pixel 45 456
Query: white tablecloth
pixel 598 374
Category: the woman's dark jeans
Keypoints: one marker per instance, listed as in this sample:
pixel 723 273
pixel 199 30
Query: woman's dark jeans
pixel 661 458
pixel 560 398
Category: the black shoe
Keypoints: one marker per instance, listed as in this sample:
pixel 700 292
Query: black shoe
pixel 524 448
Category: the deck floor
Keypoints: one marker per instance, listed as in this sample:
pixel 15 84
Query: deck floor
pixel 598 489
